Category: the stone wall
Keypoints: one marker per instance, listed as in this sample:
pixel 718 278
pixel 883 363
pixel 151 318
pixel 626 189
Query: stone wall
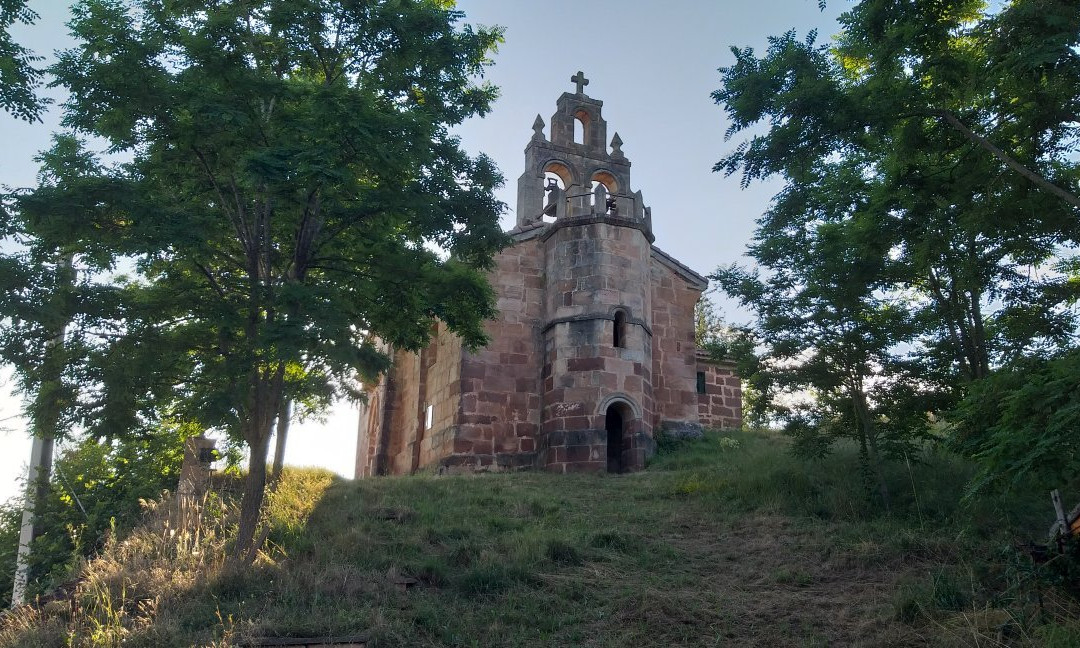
pixel 441 389
pixel 674 363
pixel 500 383
pixel 596 267
pixel 394 437
pixel 721 404
pixel 582 373
pixel 402 411
pixel 370 425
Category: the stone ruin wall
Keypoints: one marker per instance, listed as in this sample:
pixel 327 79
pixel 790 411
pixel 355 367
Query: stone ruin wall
pixel 371 421
pixel 403 403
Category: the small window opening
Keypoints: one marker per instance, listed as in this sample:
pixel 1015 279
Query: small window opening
pixel 429 415
pixel 579 131
pixel 701 382
pixel 619 337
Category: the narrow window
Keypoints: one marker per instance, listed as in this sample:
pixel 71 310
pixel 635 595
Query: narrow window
pixel 579 131
pixel 619 338
pixel 428 416
pixel 701 382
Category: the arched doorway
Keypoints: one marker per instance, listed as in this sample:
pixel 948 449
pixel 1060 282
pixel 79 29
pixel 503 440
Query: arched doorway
pixel 617 417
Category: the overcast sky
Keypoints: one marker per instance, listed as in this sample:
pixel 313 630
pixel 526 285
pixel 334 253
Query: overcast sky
pixel 652 64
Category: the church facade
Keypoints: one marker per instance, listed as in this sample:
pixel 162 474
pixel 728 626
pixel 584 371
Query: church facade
pixel 593 352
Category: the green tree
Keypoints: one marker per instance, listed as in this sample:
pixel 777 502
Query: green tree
pixel 293 190
pixel 19 78
pixel 38 290
pixel 965 121
pixel 10 524
pixel 729 343
pixel 826 364
pixel 709 326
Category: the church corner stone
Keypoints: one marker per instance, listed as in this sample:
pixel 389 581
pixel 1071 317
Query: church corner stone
pixel 594 350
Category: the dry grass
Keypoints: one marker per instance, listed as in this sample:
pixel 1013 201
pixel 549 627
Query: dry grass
pixel 716 544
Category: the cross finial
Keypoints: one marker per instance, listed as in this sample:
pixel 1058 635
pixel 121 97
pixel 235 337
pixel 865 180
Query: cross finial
pixel 538 128
pixel 616 146
pixel 580 80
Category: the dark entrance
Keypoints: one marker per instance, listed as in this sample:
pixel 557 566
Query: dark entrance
pixel 615 425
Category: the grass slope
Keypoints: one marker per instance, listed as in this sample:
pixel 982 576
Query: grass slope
pixel 723 541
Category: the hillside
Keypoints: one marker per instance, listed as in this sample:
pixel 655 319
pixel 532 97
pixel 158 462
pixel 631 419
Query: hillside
pixel 723 541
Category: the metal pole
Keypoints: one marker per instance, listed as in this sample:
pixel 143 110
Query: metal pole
pixel 41 459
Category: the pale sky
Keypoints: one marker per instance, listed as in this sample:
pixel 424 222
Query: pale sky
pixel 652 64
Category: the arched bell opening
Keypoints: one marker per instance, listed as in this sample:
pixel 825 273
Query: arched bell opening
pixel 604 188
pixel 557 177
pixel 581 126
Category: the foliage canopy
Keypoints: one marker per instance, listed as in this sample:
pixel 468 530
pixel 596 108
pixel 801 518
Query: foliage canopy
pixel 293 192
pixel 924 233
pixel 19 78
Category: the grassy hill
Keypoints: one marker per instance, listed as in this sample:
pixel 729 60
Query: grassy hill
pixel 723 541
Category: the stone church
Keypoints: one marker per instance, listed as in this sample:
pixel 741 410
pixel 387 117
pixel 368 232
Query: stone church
pixel 594 350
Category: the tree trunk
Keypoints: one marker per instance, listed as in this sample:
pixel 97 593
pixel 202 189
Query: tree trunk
pixel 982 355
pixel 284 413
pixel 952 323
pixel 875 463
pixel 868 445
pixel 265 398
pixel 252 501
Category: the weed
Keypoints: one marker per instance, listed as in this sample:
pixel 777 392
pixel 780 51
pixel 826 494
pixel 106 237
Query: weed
pixel 492 579
pixel 946 591
pixel 667 444
pixel 727 443
pixel 690 484
pixel 1059 635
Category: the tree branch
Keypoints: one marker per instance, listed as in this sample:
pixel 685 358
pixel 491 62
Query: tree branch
pixel 1039 181
pixel 213 282
pixel 237 220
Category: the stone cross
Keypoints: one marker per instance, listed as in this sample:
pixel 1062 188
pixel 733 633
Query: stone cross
pixel 580 80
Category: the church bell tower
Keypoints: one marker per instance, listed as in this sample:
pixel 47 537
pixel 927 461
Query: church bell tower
pixel 596 233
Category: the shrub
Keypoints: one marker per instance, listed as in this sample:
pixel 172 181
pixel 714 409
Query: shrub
pixel 1020 425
